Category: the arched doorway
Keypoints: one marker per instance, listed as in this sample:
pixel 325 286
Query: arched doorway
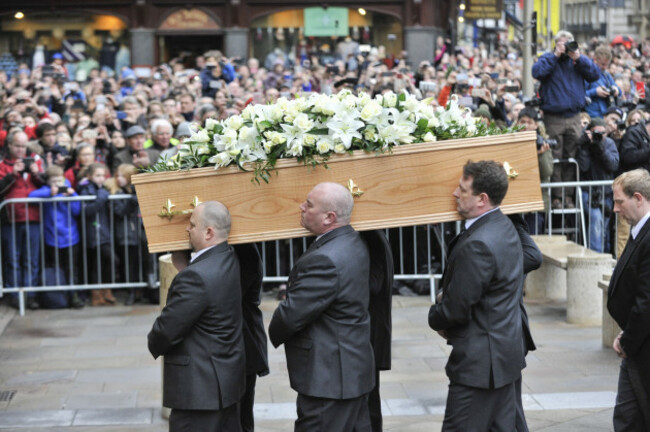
pixel 188 33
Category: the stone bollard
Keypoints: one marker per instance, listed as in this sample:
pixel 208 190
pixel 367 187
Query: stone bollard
pixel 167 274
pixel 548 283
pixel 610 327
pixel 584 301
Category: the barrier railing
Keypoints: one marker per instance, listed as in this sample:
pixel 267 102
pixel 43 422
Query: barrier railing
pixel 419 252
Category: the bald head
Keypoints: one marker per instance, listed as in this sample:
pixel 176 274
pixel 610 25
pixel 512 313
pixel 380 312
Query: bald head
pixel 337 198
pixel 209 225
pixel 328 206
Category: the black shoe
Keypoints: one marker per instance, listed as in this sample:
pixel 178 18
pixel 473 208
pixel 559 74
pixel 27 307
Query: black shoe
pixel 130 298
pixel 32 304
pixel 75 301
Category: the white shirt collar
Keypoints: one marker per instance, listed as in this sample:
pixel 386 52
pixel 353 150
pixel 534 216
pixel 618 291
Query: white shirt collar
pixel 201 252
pixel 470 222
pixel 636 229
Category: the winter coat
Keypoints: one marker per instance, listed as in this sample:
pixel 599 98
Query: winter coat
pixel 59 219
pixel 97 214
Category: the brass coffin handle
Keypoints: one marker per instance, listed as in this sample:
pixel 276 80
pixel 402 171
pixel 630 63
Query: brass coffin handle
pixel 354 189
pixel 510 171
pixel 168 212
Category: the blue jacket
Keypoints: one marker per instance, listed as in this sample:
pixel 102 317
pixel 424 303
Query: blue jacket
pixel 562 86
pixel 97 214
pixel 59 219
pixel 598 106
pixel 597 161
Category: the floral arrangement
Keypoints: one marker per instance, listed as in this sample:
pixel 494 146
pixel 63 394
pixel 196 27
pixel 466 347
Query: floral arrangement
pixel 312 128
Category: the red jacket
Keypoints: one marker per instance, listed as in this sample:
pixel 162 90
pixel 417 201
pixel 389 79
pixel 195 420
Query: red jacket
pixel 19 186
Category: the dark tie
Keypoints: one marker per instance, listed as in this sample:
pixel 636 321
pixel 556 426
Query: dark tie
pixel 455 240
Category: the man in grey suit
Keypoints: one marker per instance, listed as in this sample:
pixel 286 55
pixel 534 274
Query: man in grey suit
pixel 479 312
pixel 324 322
pixel 200 331
pixel 629 303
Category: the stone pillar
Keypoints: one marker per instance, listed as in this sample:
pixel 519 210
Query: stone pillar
pixel 610 329
pixel 420 42
pixel 167 274
pixel 143 47
pixel 236 42
pixel 547 283
pixel 584 301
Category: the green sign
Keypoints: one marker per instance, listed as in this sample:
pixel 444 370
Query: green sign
pixel 332 21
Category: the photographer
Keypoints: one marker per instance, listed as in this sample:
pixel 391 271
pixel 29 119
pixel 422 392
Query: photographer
pixel 603 92
pixel 562 74
pixel 614 124
pixel 529 118
pixel 20 174
pixel 598 159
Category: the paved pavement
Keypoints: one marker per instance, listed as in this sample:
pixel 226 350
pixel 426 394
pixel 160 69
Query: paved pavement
pixel 89 370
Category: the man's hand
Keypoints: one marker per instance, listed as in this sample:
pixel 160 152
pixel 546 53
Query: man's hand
pixel 617 346
pixel 141 159
pixel 443 334
pixel 543 148
pixel 19 167
pixel 602 92
pixel 574 55
pixel 559 49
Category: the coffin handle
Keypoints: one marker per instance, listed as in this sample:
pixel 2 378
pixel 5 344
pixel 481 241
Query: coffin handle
pixel 354 189
pixel 168 212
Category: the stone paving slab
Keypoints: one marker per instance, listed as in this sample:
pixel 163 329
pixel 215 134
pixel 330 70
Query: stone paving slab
pixel 90 370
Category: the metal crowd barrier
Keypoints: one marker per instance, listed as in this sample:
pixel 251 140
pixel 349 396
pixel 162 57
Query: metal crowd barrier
pixel 419 252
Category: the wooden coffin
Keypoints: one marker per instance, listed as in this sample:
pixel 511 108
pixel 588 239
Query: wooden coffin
pixel 411 186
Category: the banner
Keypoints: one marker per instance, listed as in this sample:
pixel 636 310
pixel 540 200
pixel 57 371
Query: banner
pixel 483 9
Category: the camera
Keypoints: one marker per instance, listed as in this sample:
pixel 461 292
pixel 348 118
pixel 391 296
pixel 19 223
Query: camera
pixel 62 190
pixel 28 161
pixel 596 137
pixel 541 141
pixel 534 102
pixel 332 69
pixel 571 46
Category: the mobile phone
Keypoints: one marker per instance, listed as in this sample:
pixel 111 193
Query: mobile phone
pixel 640 89
pixel 503 81
pixel 465 101
pixel 121 115
pixel 477 93
pixel 89 134
pixel 428 86
pixel 511 89
pixel 461 77
pixel 387 74
pixel 62 190
pixel 215 84
pixel 494 76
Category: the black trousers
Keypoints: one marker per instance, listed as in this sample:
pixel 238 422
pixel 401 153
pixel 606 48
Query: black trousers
pixel 223 420
pixel 246 405
pixel 332 415
pixel 374 406
pixel 631 397
pixel 520 421
pixel 472 409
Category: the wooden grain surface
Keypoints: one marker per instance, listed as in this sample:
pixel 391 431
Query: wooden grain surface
pixel 412 186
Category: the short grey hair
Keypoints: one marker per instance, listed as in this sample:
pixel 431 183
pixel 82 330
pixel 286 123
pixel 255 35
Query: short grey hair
pixel 564 34
pixel 156 124
pixel 216 216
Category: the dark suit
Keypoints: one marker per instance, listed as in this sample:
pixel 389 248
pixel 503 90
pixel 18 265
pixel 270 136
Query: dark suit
pixel 532 261
pixel 325 328
pixel 381 284
pixel 253 328
pixel 629 305
pixel 480 312
pixel 199 332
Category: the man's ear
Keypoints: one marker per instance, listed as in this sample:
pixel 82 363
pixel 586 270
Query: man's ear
pixel 330 218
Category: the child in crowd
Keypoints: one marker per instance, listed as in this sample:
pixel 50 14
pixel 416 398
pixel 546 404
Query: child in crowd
pixel 129 232
pixel 98 234
pixel 60 228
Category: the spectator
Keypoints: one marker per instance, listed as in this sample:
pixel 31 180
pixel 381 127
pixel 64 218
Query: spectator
pixel 135 153
pixel 161 136
pixel 187 106
pixel 53 153
pixel 20 174
pixel 604 91
pixel 98 252
pixel 60 228
pixel 562 74
pixel 85 156
pixel 598 159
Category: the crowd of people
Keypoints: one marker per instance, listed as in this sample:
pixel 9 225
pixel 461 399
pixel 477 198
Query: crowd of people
pixel 60 137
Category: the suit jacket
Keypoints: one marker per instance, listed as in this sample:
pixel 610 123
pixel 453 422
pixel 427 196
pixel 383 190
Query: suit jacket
pixel 480 308
pixel 324 322
pixel 629 301
pixel 381 284
pixel 200 334
pixel 532 261
pixel 253 323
